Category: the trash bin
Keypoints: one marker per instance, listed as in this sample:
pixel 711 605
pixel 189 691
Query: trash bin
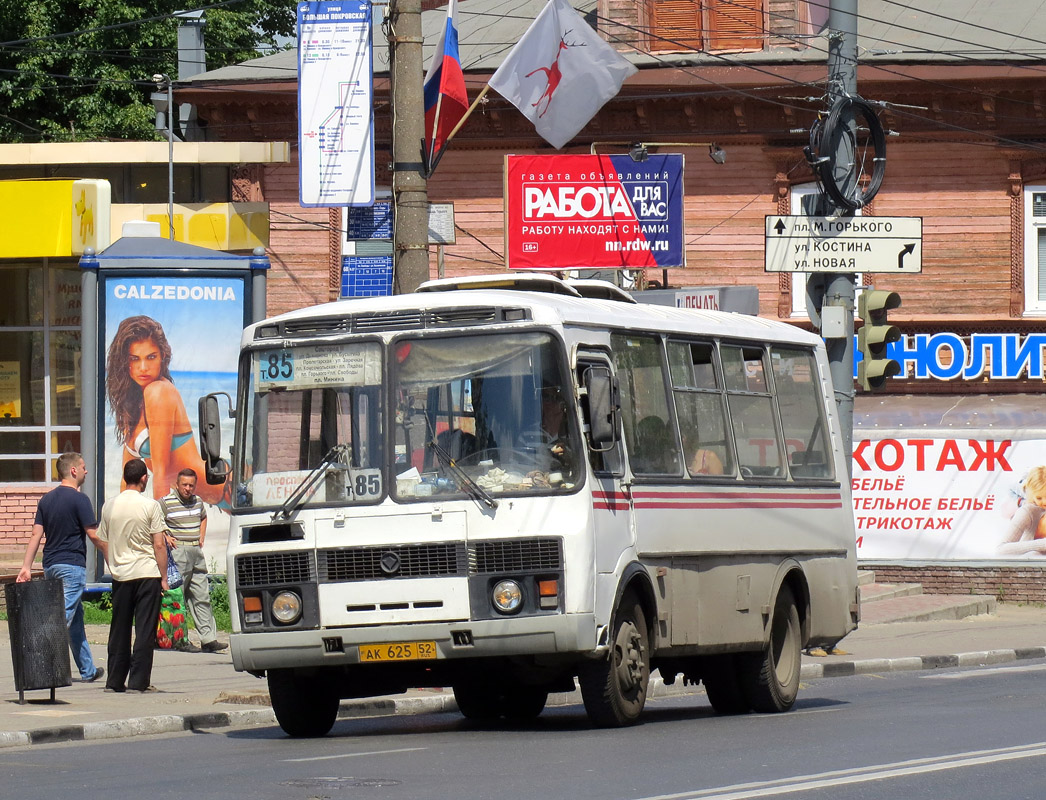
pixel 39 639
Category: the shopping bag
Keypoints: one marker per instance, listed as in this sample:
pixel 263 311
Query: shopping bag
pixel 172 630
pixel 174 575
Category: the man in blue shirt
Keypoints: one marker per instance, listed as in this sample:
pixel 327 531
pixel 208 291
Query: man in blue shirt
pixel 64 520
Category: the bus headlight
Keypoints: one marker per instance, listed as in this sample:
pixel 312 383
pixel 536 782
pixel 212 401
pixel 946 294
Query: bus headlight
pixel 286 607
pixel 507 597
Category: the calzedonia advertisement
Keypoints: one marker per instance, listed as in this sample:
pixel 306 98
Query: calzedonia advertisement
pixel 594 212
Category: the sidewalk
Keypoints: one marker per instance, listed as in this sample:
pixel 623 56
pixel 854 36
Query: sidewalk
pixel 201 690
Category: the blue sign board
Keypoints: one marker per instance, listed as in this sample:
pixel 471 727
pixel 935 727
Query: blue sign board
pixel 369 222
pixel 366 276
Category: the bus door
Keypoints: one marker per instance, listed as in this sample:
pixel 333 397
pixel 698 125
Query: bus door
pixel 612 529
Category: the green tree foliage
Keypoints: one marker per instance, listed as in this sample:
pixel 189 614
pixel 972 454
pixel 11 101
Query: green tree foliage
pixel 80 70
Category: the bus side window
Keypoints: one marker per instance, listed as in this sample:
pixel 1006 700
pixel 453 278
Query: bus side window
pixel 653 448
pixel 802 412
pixel 700 408
pixel 752 412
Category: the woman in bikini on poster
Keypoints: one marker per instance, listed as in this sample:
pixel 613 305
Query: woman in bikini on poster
pixel 151 422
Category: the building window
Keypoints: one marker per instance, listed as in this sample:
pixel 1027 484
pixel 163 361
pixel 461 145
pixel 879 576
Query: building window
pixel 40 376
pixel 707 25
pixel 1035 250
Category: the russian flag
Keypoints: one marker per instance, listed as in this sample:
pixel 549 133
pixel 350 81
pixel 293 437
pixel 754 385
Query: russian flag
pixel 446 100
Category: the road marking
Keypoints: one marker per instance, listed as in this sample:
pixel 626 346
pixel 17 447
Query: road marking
pixel 955 676
pixel 876 772
pixel 354 755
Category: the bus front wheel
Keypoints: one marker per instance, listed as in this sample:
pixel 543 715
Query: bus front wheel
pixel 305 706
pixel 771 679
pixel 614 689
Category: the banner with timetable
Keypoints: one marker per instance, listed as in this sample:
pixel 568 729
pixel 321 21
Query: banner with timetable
pixel 335 104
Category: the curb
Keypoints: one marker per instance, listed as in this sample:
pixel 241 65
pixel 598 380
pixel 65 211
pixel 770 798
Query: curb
pixel 439 703
pixel 981 658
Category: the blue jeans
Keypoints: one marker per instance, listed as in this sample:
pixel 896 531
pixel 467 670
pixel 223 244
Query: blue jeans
pixel 74 581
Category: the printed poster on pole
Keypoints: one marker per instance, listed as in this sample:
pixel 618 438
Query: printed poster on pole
pixel 335 104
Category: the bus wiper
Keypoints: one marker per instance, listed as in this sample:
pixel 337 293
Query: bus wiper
pixel 465 483
pixel 295 499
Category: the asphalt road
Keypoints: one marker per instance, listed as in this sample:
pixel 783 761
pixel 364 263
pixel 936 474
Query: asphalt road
pixel 956 734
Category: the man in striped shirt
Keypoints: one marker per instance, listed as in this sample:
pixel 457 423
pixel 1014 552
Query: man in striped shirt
pixel 186 519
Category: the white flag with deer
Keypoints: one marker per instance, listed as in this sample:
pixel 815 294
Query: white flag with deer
pixel 560 73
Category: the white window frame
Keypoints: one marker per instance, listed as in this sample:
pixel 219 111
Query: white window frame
pixel 49 429
pixel 1033 306
pixel 798 192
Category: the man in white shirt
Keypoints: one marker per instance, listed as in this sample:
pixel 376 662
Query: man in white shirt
pixel 132 525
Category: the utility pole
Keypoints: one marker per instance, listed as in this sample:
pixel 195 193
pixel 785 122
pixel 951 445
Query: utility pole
pixel 839 288
pixel 409 194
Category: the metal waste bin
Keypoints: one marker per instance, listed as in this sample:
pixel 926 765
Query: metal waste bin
pixel 39 638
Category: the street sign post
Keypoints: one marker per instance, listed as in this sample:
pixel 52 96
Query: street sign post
pixel 844 244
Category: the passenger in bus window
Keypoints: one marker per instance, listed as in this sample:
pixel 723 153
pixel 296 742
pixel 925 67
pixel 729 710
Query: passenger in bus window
pixel 653 447
pixel 1027 532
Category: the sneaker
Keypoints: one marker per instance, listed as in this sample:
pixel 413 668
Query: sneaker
pixel 147 690
pixel 213 647
pixel 98 673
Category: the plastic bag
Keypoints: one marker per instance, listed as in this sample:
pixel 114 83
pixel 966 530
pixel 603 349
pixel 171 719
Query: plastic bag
pixel 172 630
pixel 174 575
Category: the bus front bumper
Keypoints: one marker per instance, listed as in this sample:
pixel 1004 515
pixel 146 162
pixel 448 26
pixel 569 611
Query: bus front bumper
pixel 539 635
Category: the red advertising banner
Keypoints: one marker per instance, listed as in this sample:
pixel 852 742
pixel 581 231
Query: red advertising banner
pixel 949 499
pixel 593 212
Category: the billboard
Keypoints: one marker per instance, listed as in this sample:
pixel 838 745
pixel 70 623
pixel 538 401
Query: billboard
pixel 949 498
pixel 593 211
pixel 166 342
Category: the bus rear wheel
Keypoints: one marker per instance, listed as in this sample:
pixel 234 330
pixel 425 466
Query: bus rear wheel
pixel 771 679
pixel 614 689
pixel 306 706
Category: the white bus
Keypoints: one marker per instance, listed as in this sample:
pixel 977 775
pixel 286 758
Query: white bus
pixel 503 485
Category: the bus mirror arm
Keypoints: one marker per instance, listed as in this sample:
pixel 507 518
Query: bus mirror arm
pixel 602 407
pixel 216 468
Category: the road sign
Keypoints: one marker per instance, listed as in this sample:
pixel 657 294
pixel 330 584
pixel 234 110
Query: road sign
pixel 844 244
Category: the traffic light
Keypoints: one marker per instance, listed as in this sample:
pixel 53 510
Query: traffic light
pixel 874 367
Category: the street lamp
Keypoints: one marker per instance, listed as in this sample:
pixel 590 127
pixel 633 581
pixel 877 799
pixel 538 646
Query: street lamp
pixel 165 106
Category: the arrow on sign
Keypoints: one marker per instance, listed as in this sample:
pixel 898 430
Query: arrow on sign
pixel 779 227
pixel 908 248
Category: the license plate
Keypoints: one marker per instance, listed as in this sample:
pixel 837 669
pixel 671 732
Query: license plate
pixel 397 651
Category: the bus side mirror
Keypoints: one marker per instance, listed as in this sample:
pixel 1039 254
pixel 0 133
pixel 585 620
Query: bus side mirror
pixel 215 467
pixel 602 407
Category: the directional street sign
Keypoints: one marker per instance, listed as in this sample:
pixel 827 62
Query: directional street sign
pixel 844 244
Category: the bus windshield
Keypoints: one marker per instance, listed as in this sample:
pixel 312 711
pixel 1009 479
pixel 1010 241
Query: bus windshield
pixel 314 423
pixel 492 410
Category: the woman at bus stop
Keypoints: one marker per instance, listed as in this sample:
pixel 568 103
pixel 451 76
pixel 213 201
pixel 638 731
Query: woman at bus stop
pixel 151 421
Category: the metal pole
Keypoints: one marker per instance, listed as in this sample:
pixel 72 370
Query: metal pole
pixel 170 156
pixel 840 288
pixel 409 193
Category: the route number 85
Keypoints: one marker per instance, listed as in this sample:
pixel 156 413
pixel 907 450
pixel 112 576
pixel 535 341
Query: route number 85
pixel 277 366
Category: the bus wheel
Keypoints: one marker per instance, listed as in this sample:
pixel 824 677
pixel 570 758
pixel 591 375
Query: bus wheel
pixel 722 686
pixel 614 689
pixel 771 678
pixel 478 701
pixel 523 702
pixel 305 705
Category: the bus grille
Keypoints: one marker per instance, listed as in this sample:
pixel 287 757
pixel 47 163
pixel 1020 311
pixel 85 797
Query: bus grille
pixel 271 568
pixel 515 555
pixel 401 561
